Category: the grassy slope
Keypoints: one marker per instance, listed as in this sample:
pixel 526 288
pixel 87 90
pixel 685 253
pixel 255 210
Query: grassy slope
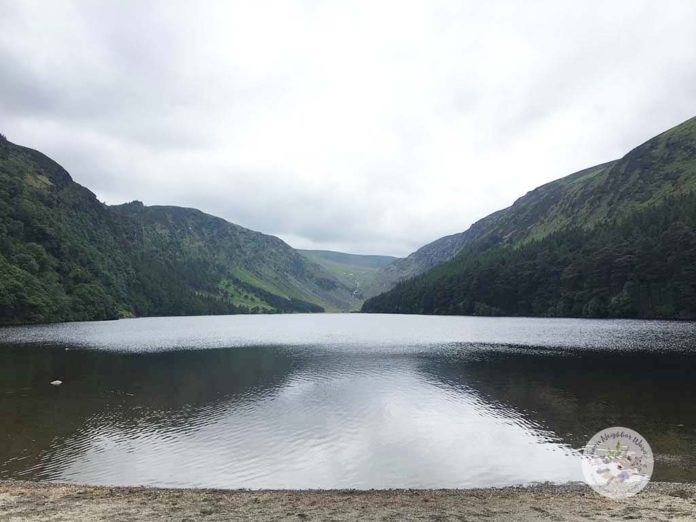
pixel 664 166
pixel 236 258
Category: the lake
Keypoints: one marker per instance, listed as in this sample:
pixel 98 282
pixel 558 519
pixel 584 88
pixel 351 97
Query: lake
pixel 339 401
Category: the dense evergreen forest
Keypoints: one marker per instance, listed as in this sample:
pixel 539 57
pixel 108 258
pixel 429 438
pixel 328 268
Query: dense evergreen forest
pixel 616 240
pixel 644 266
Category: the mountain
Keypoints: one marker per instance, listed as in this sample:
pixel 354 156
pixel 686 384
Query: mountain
pixel 66 256
pixel 614 240
pixel 246 268
pixel 425 258
pixel 358 272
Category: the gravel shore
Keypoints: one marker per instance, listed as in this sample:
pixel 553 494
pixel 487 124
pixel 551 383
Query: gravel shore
pixel 40 501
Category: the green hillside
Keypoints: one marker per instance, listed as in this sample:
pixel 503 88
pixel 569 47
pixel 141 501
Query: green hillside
pixel 616 240
pixel 360 273
pixel 65 256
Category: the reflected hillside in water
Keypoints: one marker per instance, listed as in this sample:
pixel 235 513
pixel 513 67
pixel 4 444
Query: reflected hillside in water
pixel 160 392
pixel 258 417
pixel 366 402
pixel 576 394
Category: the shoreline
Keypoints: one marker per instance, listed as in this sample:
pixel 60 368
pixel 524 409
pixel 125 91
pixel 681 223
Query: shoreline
pixel 52 501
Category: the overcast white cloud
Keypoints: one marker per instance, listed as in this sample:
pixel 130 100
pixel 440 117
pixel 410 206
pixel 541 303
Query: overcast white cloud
pixel 370 127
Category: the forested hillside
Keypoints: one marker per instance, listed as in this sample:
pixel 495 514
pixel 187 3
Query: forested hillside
pixel 616 240
pixel 65 256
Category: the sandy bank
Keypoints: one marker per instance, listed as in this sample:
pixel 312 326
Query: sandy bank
pixel 32 501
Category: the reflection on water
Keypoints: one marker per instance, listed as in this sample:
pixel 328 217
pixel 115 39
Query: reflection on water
pixel 578 393
pixel 365 401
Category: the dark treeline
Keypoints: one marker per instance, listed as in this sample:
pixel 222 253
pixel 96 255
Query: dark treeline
pixel 643 266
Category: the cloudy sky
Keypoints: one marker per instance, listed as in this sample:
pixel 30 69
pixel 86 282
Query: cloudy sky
pixel 369 127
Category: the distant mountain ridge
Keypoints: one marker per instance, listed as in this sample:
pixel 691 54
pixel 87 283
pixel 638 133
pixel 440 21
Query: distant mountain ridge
pixel 359 272
pixel 576 246
pixel 427 257
pixel 65 256
pixel 363 260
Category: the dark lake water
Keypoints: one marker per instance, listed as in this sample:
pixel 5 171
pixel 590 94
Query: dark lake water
pixel 339 401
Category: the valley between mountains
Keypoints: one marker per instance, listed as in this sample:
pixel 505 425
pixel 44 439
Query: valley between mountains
pixel 613 240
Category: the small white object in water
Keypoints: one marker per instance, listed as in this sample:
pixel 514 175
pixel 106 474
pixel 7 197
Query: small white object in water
pixel 56 382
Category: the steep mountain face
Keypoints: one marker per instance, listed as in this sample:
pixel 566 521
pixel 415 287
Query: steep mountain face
pixel 612 240
pixel 65 256
pixel 360 273
pixel 247 268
